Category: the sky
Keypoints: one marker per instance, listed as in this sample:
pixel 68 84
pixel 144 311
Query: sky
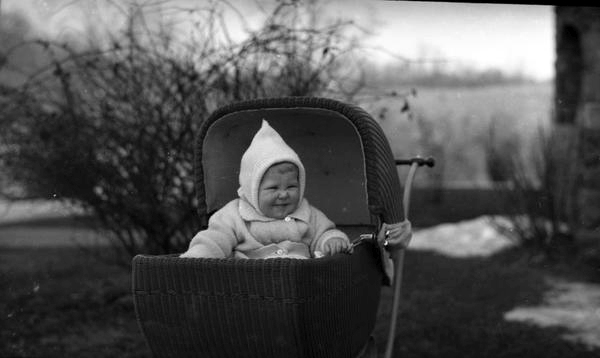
pixel 510 37
pixel 513 38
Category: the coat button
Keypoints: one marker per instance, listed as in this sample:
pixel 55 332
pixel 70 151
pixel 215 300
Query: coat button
pixel 280 252
pixel 287 218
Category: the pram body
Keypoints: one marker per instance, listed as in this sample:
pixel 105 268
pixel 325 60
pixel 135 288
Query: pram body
pixel 322 307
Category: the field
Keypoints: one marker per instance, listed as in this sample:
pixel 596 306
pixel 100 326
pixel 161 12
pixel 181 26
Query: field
pixel 453 125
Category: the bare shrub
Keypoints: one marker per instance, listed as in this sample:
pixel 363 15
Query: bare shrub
pixel 539 184
pixel 109 125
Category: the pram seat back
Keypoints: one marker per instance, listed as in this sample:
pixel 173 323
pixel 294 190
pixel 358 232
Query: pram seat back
pixel 346 154
pixel 327 143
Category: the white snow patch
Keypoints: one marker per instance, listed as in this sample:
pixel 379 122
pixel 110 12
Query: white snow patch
pixel 573 305
pixel 476 237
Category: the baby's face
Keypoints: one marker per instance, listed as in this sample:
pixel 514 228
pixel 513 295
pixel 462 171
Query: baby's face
pixel 279 191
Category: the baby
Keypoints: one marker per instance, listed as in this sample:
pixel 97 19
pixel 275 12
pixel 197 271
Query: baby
pixel 271 218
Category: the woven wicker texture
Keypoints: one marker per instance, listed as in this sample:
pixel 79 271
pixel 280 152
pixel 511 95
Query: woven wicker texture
pixel 257 308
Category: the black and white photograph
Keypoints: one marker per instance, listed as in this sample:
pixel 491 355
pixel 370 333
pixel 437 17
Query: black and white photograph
pixel 299 179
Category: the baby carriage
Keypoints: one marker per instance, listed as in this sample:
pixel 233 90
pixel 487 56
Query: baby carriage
pixel 323 307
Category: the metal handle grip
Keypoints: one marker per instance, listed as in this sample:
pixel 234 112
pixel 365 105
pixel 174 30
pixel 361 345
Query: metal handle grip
pixel 429 161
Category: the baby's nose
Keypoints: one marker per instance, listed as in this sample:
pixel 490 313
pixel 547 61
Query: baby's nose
pixel 283 194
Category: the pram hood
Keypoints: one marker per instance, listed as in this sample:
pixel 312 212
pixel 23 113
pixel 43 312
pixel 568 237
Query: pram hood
pixel 351 172
pixel 267 148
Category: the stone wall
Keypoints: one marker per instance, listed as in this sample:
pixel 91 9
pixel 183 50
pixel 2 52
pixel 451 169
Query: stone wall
pixel 577 103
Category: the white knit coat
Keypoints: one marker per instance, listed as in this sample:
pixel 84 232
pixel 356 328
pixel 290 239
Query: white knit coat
pixel 240 229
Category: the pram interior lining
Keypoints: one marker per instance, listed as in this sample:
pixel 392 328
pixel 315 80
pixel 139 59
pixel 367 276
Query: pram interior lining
pixel 327 143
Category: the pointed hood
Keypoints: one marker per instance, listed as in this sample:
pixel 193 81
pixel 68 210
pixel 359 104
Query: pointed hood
pixel 267 148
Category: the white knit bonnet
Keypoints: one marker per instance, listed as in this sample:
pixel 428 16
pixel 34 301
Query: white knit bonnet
pixel 267 148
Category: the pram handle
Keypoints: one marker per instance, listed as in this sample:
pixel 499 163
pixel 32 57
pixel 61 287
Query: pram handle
pixel 398 255
pixel 429 161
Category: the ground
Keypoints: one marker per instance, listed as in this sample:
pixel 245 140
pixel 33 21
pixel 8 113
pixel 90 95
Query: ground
pixel 467 292
pixel 568 304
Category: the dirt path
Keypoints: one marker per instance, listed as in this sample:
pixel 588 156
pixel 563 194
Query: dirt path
pixel 38 237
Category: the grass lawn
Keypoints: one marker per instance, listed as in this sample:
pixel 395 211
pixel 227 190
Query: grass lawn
pixel 60 302
pixel 455 307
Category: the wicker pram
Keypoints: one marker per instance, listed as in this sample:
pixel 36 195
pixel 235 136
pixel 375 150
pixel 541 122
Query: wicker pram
pixel 322 307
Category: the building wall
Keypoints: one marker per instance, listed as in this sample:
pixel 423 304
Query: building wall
pixel 577 102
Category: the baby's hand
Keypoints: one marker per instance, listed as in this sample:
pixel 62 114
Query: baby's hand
pixel 396 235
pixel 335 245
pixel 194 252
